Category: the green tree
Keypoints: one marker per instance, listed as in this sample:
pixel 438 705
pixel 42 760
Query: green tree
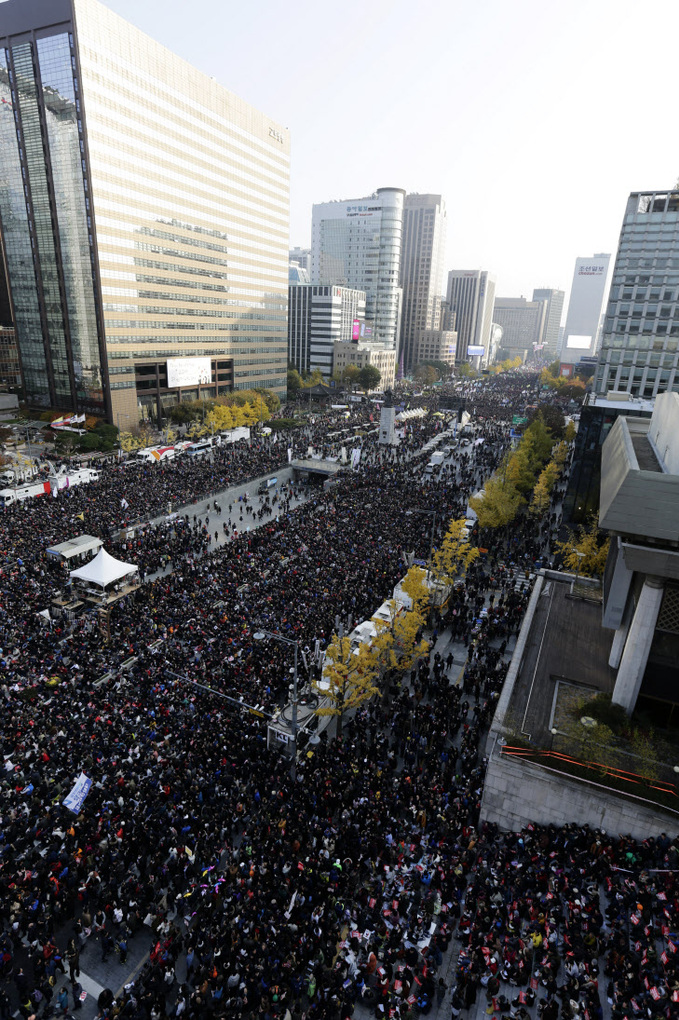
pixel 465 370
pixel 552 417
pixel 350 675
pixel 426 375
pixel 294 382
pixel 369 377
pixel 350 375
pixel 571 432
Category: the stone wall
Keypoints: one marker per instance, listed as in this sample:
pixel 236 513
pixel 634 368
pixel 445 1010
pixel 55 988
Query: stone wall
pixel 518 792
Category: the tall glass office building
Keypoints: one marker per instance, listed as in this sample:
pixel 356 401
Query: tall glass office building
pixel 640 337
pixel 144 212
pixel 357 244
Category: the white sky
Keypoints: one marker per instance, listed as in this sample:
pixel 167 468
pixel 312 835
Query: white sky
pixel 534 119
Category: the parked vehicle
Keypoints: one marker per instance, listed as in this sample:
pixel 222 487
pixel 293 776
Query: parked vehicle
pixel 265 485
pixel 156 454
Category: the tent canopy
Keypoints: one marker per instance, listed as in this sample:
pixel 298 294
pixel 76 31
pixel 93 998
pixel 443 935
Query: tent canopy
pixel 103 570
pixel 75 547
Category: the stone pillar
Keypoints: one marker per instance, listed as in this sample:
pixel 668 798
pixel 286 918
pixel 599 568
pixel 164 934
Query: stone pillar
pixel 619 638
pixel 638 644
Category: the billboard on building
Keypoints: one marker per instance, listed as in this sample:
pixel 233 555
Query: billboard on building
pixel 474 351
pixel 366 331
pixel 578 342
pixel 188 372
pixel 356 329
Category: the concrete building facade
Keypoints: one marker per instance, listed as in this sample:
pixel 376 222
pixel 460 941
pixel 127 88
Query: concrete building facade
pixel 640 337
pixel 470 299
pixel 382 356
pixel 144 213
pixel 639 500
pixel 358 244
pixel 424 240
pixel 522 323
pixel 436 345
pixel 553 312
pixel 318 318
pixel 585 304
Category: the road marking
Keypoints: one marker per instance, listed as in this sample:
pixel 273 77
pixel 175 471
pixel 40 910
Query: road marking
pixel 90 985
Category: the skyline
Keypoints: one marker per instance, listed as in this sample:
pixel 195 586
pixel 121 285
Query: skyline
pixel 552 121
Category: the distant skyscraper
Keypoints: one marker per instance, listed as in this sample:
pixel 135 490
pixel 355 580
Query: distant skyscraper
pixel 522 324
pixel 588 293
pixel 319 317
pixel 301 257
pixel 357 244
pixel 424 239
pixel 550 333
pixel 144 212
pixel 469 310
pixel 641 327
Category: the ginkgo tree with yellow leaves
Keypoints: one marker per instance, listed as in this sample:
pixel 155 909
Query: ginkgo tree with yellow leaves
pixel 593 546
pixel 398 640
pixel 351 672
pixel 455 555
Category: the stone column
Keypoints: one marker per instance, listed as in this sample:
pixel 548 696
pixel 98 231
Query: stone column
pixel 619 638
pixel 638 644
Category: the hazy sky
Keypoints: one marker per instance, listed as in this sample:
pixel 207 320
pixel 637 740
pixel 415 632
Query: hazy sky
pixel 534 119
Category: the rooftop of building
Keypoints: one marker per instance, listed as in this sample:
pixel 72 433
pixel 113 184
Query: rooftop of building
pixel 620 400
pixel 640 474
pixel 561 659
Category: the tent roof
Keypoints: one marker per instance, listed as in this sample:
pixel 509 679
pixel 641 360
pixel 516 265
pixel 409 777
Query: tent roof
pixel 75 547
pixel 104 569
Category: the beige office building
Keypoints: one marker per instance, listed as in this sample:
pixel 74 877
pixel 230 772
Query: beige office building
pixel 149 262
pixel 382 356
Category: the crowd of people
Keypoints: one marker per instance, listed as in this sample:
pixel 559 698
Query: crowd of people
pixel 343 884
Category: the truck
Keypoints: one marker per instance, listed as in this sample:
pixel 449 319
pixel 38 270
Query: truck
pixel 436 459
pixel 155 454
pixel 55 483
pixel 16 474
pixel 234 435
pixel 265 485
pixel 8 497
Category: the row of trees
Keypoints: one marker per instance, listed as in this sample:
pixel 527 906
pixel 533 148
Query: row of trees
pixel 202 418
pixel 530 469
pixel 368 378
pixel 352 670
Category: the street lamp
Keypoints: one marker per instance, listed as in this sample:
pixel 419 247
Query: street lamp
pixel 580 556
pixel 433 514
pixel 120 442
pixel 259 635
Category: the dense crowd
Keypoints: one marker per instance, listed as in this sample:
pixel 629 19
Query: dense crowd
pixel 271 893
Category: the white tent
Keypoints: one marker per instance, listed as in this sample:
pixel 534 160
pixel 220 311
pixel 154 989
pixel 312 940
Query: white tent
pixel 103 570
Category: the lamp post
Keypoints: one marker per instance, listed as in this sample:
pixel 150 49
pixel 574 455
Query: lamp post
pixel 259 635
pixel 433 514
pixel 120 443
pixel 580 556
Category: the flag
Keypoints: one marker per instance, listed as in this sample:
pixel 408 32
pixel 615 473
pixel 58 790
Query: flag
pixel 289 455
pixel 76 798
pixel 124 504
pixel 81 517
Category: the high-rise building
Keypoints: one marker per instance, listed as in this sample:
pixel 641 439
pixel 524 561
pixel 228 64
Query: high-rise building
pixel 469 310
pixel 424 241
pixel 436 345
pixel 357 244
pixel 550 333
pixel 144 216
pixel 319 317
pixel 640 333
pixel 583 318
pixel 522 322
pixel 301 257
